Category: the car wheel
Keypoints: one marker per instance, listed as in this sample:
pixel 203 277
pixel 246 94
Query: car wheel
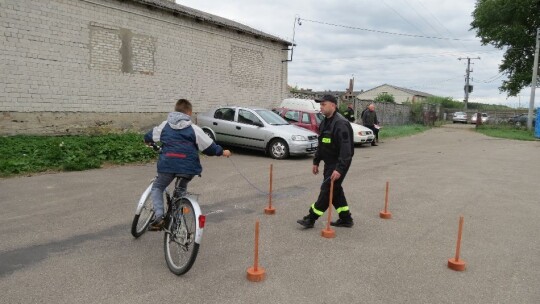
pixel 207 132
pixel 278 149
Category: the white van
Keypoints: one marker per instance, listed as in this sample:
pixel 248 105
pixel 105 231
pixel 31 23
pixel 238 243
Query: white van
pixel 300 104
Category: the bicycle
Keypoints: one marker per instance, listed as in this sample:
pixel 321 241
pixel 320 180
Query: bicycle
pixel 184 224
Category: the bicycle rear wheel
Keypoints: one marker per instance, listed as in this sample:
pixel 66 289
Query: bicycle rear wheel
pixel 142 220
pixel 179 240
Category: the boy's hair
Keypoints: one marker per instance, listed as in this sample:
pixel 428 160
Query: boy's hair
pixel 183 105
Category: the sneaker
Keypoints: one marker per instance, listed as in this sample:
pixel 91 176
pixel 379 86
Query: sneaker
pixel 343 223
pixel 307 222
pixel 156 224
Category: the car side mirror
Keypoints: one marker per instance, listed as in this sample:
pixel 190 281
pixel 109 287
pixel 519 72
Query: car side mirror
pixel 258 124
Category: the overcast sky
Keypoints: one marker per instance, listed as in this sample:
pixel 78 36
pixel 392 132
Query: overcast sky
pixel 327 56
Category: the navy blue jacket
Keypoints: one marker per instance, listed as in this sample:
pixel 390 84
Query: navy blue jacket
pixel 181 142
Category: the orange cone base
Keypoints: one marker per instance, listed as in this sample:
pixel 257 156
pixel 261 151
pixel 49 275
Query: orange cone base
pixel 255 275
pixel 458 265
pixel 385 215
pixel 269 210
pixel 328 233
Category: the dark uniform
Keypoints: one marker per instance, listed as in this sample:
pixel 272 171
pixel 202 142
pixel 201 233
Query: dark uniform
pixel 349 114
pixel 369 119
pixel 336 149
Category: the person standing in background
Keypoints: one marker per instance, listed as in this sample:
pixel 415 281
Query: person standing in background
pixel 370 121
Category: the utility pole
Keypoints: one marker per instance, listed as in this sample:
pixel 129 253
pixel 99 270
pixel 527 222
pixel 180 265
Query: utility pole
pixel 467 88
pixel 534 81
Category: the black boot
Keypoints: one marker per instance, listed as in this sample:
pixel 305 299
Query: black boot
pixel 343 222
pixel 307 221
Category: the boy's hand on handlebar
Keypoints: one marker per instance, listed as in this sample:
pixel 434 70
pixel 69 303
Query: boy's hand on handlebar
pixel 226 153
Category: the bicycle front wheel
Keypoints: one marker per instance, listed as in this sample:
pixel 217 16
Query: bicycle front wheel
pixel 179 240
pixel 142 220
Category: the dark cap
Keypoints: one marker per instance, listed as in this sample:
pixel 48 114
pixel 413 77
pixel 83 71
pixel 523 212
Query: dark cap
pixel 330 98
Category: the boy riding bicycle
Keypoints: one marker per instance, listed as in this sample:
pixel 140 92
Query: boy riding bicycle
pixel 181 142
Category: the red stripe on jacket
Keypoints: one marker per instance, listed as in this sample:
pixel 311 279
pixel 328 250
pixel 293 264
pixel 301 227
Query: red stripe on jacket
pixel 177 155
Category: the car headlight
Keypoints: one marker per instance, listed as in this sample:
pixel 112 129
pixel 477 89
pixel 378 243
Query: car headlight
pixel 298 138
pixel 362 133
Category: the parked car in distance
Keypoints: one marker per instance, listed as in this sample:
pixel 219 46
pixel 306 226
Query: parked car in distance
pixel 459 117
pixel 312 119
pixel 361 134
pixel 300 104
pixel 485 118
pixel 259 129
pixel 303 118
pixel 521 120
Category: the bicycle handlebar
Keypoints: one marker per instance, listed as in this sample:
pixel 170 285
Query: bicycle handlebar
pixel 153 145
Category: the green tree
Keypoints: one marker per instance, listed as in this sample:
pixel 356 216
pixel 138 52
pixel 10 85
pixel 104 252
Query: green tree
pixel 510 24
pixel 384 97
pixel 294 89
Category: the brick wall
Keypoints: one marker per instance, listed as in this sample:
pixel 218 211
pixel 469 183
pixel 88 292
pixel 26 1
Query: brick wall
pixel 107 57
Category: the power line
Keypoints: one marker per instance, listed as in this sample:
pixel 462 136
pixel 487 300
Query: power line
pixel 404 19
pixel 385 32
pixel 397 56
pixel 425 20
pixel 438 21
pixel 491 79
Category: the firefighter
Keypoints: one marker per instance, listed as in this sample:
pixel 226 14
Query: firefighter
pixel 336 149
pixel 349 113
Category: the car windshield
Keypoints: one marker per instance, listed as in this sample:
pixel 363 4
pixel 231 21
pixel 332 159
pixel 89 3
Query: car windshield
pixel 459 113
pixel 271 117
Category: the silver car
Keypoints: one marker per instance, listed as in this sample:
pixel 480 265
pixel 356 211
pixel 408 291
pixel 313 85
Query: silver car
pixel 257 128
pixel 459 117
pixel 484 116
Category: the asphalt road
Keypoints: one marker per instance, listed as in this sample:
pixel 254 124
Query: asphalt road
pixel 64 238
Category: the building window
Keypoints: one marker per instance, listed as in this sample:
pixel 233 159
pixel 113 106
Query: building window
pixel 246 67
pixel 105 44
pixel 120 50
pixel 142 54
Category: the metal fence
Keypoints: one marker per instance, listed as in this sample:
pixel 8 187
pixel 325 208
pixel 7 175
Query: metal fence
pixel 387 113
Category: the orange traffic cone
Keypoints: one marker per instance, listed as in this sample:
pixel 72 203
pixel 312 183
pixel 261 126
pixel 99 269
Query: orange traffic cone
pixel 455 263
pixel 256 273
pixel 329 232
pixel 270 209
pixel 385 214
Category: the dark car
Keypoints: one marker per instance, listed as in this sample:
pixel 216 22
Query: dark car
pixel 521 120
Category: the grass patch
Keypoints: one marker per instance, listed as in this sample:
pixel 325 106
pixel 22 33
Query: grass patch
pixel 30 154
pixel 506 131
pixel 401 131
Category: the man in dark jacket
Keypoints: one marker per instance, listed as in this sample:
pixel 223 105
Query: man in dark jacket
pixel 370 121
pixel 336 149
pixel 181 142
pixel 349 113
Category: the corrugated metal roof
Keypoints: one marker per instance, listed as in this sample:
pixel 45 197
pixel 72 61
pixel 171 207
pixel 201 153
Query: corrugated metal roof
pixel 412 92
pixel 205 17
